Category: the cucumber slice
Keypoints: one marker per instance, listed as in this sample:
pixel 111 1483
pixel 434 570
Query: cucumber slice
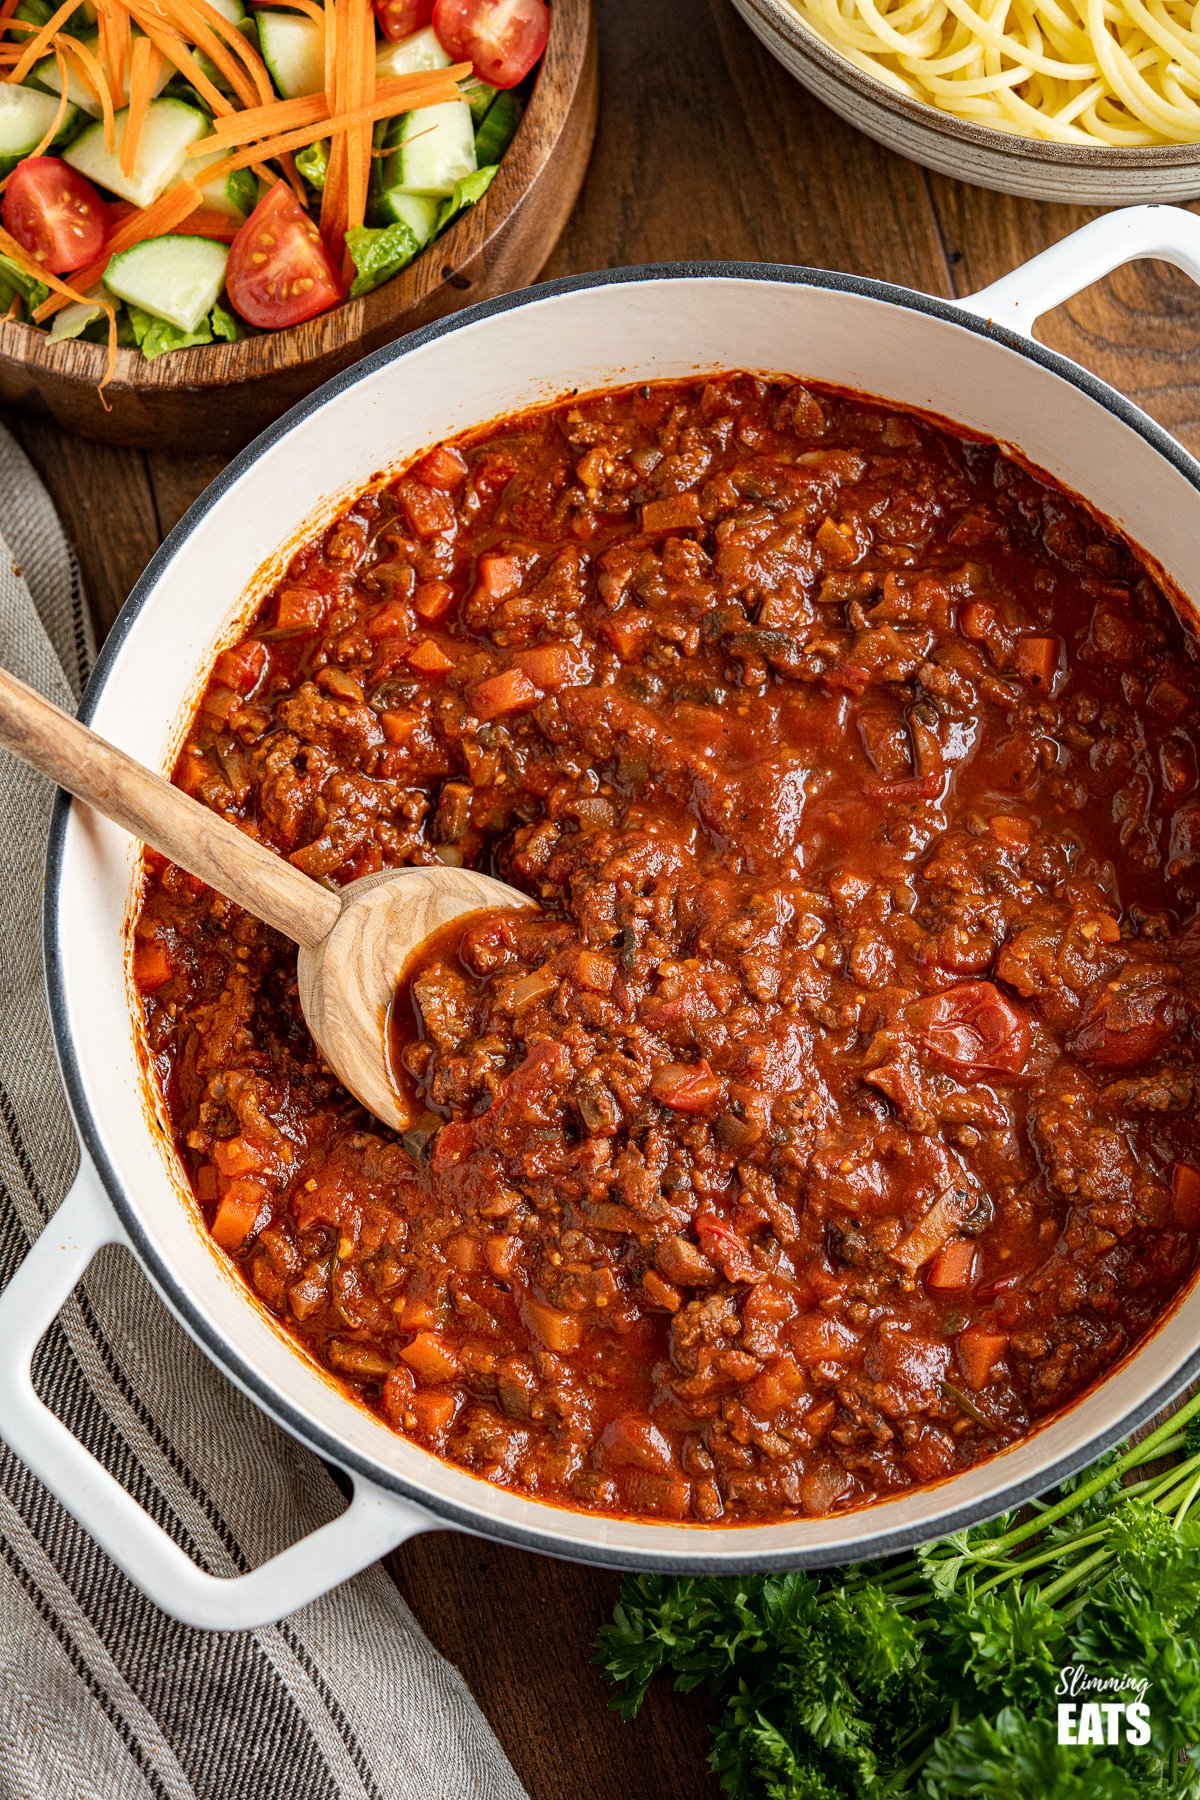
pixel 435 147
pixel 498 129
pixel 418 211
pixel 175 278
pixel 230 193
pixel 419 51
pixel 170 127
pixel 26 115
pixel 293 49
pixel 478 96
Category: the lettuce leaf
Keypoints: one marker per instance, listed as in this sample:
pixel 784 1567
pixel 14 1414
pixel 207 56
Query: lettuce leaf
pixel 379 253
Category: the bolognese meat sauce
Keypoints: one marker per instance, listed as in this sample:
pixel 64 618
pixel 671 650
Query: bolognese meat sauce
pixel 834 1119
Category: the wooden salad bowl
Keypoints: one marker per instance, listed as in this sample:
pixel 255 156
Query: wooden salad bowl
pixel 216 397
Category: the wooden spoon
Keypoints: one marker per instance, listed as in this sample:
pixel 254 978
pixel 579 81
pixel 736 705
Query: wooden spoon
pixel 354 944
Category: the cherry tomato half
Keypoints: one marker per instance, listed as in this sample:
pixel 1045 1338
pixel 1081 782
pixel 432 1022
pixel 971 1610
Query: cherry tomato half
pixel 400 18
pixel 502 38
pixel 279 271
pixel 55 214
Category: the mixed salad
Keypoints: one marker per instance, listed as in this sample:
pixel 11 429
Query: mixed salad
pixel 180 171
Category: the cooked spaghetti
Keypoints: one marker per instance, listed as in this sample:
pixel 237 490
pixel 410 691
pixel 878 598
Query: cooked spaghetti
pixel 1117 72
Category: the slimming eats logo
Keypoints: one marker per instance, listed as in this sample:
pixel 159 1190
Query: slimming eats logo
pixel 1101 1709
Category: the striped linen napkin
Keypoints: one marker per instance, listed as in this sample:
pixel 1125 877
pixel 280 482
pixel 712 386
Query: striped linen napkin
pixel 102 1697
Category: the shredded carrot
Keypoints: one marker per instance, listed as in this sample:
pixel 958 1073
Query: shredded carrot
pixel 116 43
pixel 40 42
pixel 92 75
pixel 335 129
pixel 426 88
pixel 166 214
pixel 144 68
pixel 240 44
pixel 55 126
pixel 361 88
pixel 310 7
pixel 333 195
pixel 64 294
pixel 180 57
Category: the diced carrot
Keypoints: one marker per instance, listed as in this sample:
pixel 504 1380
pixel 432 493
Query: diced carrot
pixel 1185 1195
pixel 151 965
pixel 442 467
pixel 432 1410
pixel 678 512
pixel 819 1418
pixel 777 1386
pixel 428 512
pixel 430 1357
pixel 662 1293
pixel 559 1331
pixel 238 1156
pixel 462 1251
pixel 503 1255
pixel 433 599
pixel 953 1267
pixel 979 1350
pixel 299 609
pixel 818 1338
pixel 428 658
pixel 1037 660
pixel 237 1213
pixel 1012 834
pixel 398 727
pixel 415 1312
pixel 976 620
pixel 837 543
pixel 626 631
pixel 392 620
pixel 510 691
pixel 595 971
pixel 552 666
pixel 686 1087
pixel 499 576
pixel 242 666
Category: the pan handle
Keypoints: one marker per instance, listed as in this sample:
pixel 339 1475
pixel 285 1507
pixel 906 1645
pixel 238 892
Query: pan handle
pixel 1167 233
pixel 374 1523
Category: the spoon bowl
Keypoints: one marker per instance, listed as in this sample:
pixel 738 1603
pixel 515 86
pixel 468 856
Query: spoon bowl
pixel 355 943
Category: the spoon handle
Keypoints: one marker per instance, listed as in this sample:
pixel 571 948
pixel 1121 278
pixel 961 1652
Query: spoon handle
pixel 163 816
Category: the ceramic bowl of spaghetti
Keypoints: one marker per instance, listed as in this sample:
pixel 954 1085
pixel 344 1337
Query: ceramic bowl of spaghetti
pixel 1092 101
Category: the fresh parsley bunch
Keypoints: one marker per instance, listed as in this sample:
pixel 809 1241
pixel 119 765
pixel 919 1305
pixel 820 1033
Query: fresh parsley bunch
pixel 937 1676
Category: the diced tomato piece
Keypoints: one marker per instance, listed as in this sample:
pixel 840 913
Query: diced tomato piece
pixel 1037 661
pixel 1185 1195
pixel 430 1357
pixel 392 620
pixel 442 467
pixel 953 1267
pixel 931 1454
pixel 510 691
pixel 237 1213
pixel 241 667
pixel 433 599
pixel 428 658
pixel 1129 1021
pixel 1168 699
pixel 979 1350
pixel 973 1029
pixel 428 512
pixel 626 631
pixel 778 1385
pixel 595 971
pixel 553 666
pixel 721 1244
pixel 151 965
pixel 559 1331
pixel 1014 835
pixel 678 512
pixel 398 727
pixel 818 1338
pixel 819 1418
pixel 634 1442
pixel 686 1087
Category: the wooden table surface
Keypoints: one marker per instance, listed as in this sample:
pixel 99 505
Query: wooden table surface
pixel 706 149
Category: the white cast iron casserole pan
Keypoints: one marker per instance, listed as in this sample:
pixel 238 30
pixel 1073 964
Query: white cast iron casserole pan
pixel 972 362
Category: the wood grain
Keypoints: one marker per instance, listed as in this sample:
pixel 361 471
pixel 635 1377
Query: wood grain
pixel 706 149
pixel 216 397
